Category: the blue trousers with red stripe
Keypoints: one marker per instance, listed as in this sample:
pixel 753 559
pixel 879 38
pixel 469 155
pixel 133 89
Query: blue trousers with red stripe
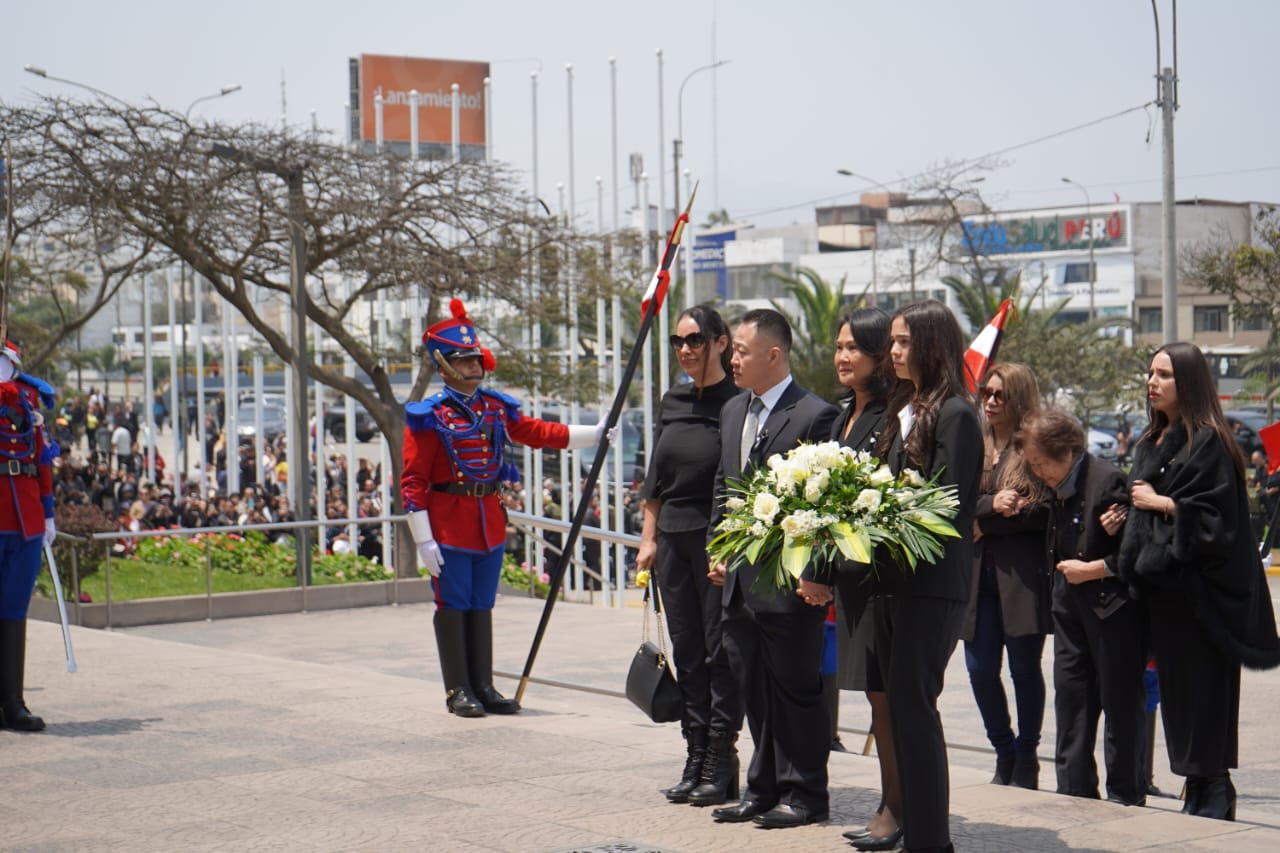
pixel 19 567
pixel 467 581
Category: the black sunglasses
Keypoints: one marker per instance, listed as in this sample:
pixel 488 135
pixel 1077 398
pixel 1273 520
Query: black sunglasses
pixel 695 341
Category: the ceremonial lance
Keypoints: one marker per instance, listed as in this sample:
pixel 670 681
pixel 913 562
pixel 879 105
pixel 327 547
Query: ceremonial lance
pixel 649 307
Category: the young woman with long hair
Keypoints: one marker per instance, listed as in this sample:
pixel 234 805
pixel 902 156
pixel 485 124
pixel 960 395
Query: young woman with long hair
pixel 932 427
pixel 1188 552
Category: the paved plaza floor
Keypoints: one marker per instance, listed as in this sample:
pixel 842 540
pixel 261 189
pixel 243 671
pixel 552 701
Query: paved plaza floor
pixel 327 731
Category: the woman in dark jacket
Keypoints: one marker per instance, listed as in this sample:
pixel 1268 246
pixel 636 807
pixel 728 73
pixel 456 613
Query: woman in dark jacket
pixel 931 427
pixel 862 366
pixel 1188 552
pixel 677 509
pixel 1098 632
pixel 1009 598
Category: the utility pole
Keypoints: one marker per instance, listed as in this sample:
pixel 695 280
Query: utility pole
pixel 1168 222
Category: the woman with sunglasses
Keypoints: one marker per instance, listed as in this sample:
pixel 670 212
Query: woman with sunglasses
pixel 677 509
pixel 862 366
pixel 1187 550
pixel 1008 611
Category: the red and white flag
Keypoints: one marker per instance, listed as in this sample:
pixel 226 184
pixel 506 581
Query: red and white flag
pixel 982 352
pixel 1270 436
pixel 657 290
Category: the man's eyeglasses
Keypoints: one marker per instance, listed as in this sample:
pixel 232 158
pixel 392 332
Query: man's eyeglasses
pixel 697 340
pixel 996 395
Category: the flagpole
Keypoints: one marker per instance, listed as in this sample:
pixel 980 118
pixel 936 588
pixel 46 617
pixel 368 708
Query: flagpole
pixel 658 288
pixel 8 238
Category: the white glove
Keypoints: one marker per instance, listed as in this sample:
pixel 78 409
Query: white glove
pixel 429 555
pixel 50 532
pixel 584 436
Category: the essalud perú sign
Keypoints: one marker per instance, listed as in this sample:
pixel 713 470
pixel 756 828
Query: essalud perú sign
pixel 1057 232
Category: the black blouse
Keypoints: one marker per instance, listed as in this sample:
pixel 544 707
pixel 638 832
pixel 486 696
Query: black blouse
pixel 686 451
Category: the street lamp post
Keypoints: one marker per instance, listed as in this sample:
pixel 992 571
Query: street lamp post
pixel 875 241
pixel 678 142
pixel 1088 215
pixel 40 72
pixel 221 93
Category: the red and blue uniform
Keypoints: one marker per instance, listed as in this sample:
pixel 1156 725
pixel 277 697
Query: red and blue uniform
pixel 455 459
pixel 26 490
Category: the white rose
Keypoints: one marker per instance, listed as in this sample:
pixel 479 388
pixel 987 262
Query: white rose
pixel 765 507
pixel 734 504
pixel 816 485
pixel 911 477
pixel 868 500
pixel 882 476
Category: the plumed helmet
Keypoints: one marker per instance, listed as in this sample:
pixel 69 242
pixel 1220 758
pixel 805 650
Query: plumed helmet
pixel 455 337
pixel 11 350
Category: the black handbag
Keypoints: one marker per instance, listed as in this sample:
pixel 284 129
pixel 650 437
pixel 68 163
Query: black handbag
pixel 650 685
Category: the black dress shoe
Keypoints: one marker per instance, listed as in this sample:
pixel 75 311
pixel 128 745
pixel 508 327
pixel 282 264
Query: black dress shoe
pixel 741 813
pixel 880 842
pixel 855 834
pixel 785 815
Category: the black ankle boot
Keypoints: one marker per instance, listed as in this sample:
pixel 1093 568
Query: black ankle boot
pixel 719 782
pixel 1004 769
pixel 1211 796
pixel 451 645
pixel 1026 772
pixel 696 747
pixel 480 663
pixel 13 658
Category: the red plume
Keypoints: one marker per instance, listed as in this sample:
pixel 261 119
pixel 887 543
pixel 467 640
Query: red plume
pixel 457 309
pixel 487 359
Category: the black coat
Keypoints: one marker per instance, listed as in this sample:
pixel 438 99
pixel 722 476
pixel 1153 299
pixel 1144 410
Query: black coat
pixel 1015 546
pixel 956 459
pixel 853 580
pixel 798 416
pixel 1076 532
pixel 1204 550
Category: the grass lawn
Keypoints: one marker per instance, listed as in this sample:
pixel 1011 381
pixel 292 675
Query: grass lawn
pixel 134 579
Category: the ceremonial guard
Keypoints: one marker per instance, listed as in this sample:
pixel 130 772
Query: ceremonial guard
pixel 455 462
pixel 26 522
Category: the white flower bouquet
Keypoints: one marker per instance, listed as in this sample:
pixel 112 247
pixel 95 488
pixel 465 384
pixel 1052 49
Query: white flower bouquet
pixel 822 500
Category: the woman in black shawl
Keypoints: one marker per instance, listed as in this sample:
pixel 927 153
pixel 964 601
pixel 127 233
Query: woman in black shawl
pixel 1187 550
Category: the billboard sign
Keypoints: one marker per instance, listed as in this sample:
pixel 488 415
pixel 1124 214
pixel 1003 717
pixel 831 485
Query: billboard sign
pixel 394 77
pixel 1054 232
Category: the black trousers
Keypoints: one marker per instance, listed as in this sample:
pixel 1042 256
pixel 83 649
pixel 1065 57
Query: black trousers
pixel 776 657
pixel 915 638
pixel 693 607
pixel 1098 667
pixel 1199 690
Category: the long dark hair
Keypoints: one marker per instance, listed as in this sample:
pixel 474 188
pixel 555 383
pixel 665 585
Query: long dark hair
pixel 936 360
pixel 869 328
pixel 711 324
pixel 1198 404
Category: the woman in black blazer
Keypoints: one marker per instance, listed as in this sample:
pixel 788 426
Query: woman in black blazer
pixel 862 366
pixel 1099 645
pixel 931 427
pixel 1008 610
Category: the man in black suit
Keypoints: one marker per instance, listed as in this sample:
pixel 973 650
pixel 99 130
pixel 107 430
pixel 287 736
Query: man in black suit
pixel 773 638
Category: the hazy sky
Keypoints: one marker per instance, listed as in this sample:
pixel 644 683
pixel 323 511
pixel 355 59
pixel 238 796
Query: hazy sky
pixel 887 89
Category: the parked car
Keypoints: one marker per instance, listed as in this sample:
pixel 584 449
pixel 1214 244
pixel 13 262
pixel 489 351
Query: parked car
pixel 1102 444
pixel 335 421
pixel 1245 425
pixel 274 419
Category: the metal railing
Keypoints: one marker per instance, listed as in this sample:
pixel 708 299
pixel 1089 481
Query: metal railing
pixel 535 527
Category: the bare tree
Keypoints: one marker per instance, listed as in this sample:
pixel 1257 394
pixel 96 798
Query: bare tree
pixel 143 186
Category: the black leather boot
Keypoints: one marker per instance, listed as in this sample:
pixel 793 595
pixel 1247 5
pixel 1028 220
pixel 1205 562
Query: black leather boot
pixel 1026 772
pixel 1004 769
pixel 1211 796
pixel 451 645
pixel 696 747
pixel 480 663
pixel 13 658
pixel 719 781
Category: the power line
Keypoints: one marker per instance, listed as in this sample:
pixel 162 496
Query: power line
pixel 963 165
